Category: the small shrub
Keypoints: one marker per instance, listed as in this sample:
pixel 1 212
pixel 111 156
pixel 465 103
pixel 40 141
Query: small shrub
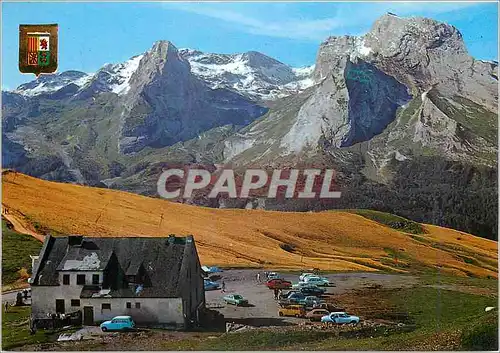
pixel 288 247
pixel 393 221
pixel 482 336
pixel 23 273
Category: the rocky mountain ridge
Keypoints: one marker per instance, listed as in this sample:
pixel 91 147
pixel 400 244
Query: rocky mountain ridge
pixel 252 74
pixel 363 81
pixel 404 97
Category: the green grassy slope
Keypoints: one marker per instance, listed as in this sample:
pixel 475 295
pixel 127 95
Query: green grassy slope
pixel 16 251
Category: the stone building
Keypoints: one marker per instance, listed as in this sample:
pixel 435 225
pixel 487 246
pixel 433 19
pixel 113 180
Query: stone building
pixel 156 280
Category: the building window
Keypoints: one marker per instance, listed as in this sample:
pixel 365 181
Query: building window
pixel 60 306
pixel 129 305
pixel 75 302
pixel 80 279
pixel 137 305
pixel 66 279
pixel 106 306
pixel 95 279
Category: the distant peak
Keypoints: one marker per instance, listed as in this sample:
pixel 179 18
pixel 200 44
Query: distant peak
pixel 255 58
pixel 162 45
pixel 189 52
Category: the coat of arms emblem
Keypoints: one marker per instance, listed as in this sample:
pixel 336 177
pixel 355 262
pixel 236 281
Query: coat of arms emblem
pixel 38 48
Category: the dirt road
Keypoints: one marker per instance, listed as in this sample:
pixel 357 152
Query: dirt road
pixel 18 225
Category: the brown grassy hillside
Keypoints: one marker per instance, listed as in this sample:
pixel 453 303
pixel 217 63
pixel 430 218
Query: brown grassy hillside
pixel 331 240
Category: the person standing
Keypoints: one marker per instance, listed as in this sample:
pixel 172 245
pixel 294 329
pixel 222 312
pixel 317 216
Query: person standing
pixel 276 293
pixel 6 306
pixel 19 299
pixel 258 277
pixel 223 287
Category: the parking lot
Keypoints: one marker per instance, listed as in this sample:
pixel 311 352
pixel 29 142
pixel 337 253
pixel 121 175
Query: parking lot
pixel 263 308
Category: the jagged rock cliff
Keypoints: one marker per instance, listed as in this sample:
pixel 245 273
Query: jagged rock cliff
pixel 167 104
pixel 416 68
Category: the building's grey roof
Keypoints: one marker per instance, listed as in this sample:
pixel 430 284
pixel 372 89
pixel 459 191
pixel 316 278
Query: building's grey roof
pixel 133 267
pixel 161 259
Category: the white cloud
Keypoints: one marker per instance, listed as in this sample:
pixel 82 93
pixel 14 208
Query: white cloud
pixel 295 28
pixel 353 18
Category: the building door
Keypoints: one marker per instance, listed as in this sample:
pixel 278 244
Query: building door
pixel 60 306
pixel 88 315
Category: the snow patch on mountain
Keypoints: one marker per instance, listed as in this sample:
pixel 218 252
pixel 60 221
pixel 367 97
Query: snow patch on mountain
pixel 84 80
pixel 122 74
pixel 304 78
pixel 110 78
pixel 252 74
pixel 360 49
pixel 52 83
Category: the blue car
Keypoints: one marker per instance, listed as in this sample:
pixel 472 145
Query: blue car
pixel 209 285
pixel 118 323
pixel 340 317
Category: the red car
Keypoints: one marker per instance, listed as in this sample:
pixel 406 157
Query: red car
pixel 278 283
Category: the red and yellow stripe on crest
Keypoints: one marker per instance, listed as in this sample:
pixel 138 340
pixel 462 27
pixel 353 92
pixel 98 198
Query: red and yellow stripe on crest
pixel 32 58
pixel 32 44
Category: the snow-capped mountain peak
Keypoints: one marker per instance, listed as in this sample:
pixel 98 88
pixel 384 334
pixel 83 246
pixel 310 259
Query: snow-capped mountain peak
pixel 251 74
pixel 116 77
pixel 53 83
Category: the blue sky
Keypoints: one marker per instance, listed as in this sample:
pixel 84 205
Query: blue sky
pixel 91 34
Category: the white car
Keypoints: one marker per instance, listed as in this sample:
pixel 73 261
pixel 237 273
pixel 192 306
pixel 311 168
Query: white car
pixel 319 281
pixel 302 285
pixel 340 317
pixel 303 276
pixel 273 275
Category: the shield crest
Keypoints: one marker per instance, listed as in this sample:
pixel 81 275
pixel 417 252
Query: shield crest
pixel 38 49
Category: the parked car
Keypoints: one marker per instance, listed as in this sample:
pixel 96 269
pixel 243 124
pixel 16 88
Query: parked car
pixel 118 323
pixel 296 296
pixel 319 281
pixel 310 290
pixel 302 285
pixel 212 269
pixel 330 307
pixel 293 298
pixel 235 299
pixel 292 310
pixel 304 275
pixel 340 317
pixel 210 285
pixel 285 295
pixel 317 314
pixel 278 283
pixel 311 301
pixel 273 275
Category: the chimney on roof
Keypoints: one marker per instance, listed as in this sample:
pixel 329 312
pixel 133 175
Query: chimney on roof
pixel 34 259
pixel 75 240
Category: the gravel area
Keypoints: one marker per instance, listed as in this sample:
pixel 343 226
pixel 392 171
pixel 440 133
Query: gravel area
pixel 263 309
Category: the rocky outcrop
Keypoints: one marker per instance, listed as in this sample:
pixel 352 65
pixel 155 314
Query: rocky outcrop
pixel 167 104
pixel 363 83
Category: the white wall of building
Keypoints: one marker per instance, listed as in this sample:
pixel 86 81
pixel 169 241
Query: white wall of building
pixel 152 310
